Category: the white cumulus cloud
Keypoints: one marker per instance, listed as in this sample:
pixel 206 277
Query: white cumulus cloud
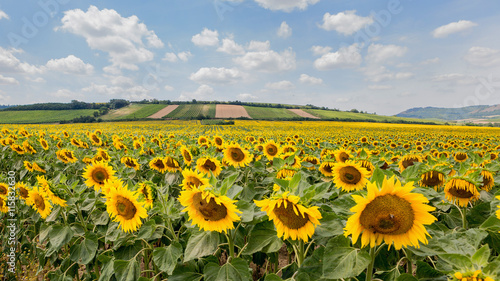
pixel 285 30
pixel 482 56
pixel 346 23
pixel 214 75
pixel 320 50
pixel 453 27
pixel 268 60
pixel 124 39
pixel 259 45
pixel 246 96
pixel 345 57
pixel 172 57
pixel 281 85
pixel 202 93
pixel 306 79
pixel 70 65
pixel 3 15
pixel 378 53
pixel 9 63
pixel 231 47
pixel 207 37
pixel 8 80
pixel 286 5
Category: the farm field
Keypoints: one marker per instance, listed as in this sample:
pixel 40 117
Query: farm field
pixel 329 114
pixel 133 111
pixel 184 111
pixel 269 113
pixel 39 116
pixel 257 200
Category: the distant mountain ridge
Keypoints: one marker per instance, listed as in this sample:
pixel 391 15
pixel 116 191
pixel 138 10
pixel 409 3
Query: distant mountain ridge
pixel 453 114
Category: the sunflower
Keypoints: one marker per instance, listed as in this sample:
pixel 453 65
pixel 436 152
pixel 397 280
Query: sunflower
pixel 23 190
pixel 37 168
pixel 296 160
pixel 171 164
pixel 39 201
pixel 130 162
pixel 97 173
pixel 17 148
pixel 219 142
pixel 102 155
pixel 488 180
pixel 460 157
pixel 207 165
pixel 28 166
pixel 349 176
pixel 341 155
pixel 368 166
pixel 498 211
pixel 186 155
pixel 408 160
pixel 292 220
pixel 286 173
pixel 96 141
pixel 432 178
pixel 3 205
pixel 326 168
pixel 66 155
pixel 48 189
pixel 271 150
pixel 4 189
pixel 461 191
pixel 202 140
pixel 123 207
pixel 392 214
pixel 192 179
pixel 237 156
pixel 208 211
pixel 312 160
pixel 158 164
pixel 147 192
pixel 471 276
pixel 28 147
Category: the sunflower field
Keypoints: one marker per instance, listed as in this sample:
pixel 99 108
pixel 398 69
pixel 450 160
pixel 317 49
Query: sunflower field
pixel 258 200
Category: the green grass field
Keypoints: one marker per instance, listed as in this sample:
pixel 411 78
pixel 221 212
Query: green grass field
pixel 342 115
pixel 133 111
pixel 185 111
pixel 42 116
pixel 269 113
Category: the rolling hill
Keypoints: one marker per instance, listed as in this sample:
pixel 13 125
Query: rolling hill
pixel 477 113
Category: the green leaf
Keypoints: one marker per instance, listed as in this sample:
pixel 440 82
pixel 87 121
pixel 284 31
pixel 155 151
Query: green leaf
pixel 457 261
pixel 84 252
pixel 107 271
pixel 126 270
pixel 201 244
pixel 166 257
pixel 228 182
pixel 272 277
pixel 481 256
pixel 247 210
pixel 330 226
pixel 235 270
pixel 60 235
pixel 294 182
pixel 263 237
pixel 491 224
pixel 492 268
pixel 406 277
pixel 234 191
pixel 342 261
pixel 425 271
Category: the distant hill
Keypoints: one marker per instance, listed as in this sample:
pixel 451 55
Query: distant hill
pixel 469 113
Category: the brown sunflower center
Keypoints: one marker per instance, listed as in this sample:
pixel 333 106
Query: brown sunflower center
pixel 209 165
pixel 99 175
pixel 327 168
pixel 125 208
pixel 159 164
pixel 23 192
pixel 388 214
pixel 350 175
pixel 236 154
pixel 432 178
pixel 193 181
pixel 187 156
pixel 409 161
pixel 171 163
pixel 96 139
pixel 218 141
pixel 461 156
pixel 460 193
pixel 211 211
pixel 271 149
pixel 343 157
pixel 288 216
pixel 3 190
pixel 39 202
pixel 129 162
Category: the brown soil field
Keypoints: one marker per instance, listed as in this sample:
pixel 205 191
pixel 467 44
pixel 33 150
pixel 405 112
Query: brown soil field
pixel 230 111
pixel 302 113
pixel 164 111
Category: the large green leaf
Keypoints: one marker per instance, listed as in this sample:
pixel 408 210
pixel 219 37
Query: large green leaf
pixel 235 270
pixel 342 261
pixel 201 244
pixel 263 237
pixel 166 257
pixel 126 270
pixel 481 256
pixel 107 270
pixel 84 251
pixel 406 277
pixel 457 261
pixel 59 235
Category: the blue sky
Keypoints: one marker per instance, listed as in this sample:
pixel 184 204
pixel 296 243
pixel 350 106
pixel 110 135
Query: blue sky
pixel 375 56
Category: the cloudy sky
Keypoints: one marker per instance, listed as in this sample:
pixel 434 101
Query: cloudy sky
pixel 376 56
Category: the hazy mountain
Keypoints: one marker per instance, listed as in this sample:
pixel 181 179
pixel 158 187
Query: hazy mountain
pixel 475 112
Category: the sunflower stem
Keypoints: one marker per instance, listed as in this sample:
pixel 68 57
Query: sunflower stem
pixel 300 252
pixel 462 214
pixel 369 270
pixel 230 243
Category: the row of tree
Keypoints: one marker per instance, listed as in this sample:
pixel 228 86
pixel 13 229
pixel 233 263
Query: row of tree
pixel 73 105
